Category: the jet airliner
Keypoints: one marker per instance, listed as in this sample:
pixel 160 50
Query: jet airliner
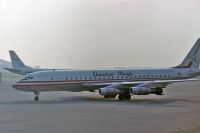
pixel 112 83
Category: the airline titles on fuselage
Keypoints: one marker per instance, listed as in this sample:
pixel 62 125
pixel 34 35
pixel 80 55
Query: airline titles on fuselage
pixel 111 74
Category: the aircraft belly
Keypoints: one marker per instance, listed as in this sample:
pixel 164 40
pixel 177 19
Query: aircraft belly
pixel 54 87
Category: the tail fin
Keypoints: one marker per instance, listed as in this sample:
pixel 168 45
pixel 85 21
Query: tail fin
pixel 192 60
pixel 16 61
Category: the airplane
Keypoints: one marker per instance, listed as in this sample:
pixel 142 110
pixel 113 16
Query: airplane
pixel 112 83
pixel 19 67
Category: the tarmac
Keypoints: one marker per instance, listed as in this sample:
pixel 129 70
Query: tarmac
pixel 178 111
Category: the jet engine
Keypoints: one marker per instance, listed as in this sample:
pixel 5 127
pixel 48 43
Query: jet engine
pixel 140 91
pixel 107 91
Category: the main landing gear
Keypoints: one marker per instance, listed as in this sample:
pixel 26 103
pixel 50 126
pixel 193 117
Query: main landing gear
pixel 36 98
pixel 114 96
pixel 123 97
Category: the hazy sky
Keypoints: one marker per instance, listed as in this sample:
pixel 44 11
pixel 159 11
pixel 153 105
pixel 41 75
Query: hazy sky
pixel 99 33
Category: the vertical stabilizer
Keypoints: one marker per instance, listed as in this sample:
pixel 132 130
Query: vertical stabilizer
pixel 192 60
pixel 16 61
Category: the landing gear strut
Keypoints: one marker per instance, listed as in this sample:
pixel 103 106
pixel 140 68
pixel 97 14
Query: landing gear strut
pixel 36 98
pixel 157 91
pixel 122 97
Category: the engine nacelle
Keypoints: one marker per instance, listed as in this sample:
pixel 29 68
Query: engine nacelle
pixel 107 91
pixel 140 91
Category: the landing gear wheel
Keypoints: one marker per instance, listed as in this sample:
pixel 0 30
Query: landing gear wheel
pixel 36 98
pixel 121 97
pixel 160 92
pixel 113 96
pixel 128 97
pixel 106 97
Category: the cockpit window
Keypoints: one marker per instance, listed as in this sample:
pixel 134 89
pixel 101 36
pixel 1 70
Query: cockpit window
pixel 25 78
pixel 29 77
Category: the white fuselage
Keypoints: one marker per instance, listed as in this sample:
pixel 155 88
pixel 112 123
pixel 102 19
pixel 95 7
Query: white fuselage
pixel 75 80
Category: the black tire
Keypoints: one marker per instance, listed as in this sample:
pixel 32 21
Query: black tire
pixel 128 97
pixel 121 97
pixel 159 91
pixel 113 96
pixel 106 97
pixel 36 98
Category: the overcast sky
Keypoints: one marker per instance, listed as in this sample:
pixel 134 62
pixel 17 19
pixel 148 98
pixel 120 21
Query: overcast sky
pixel 99 33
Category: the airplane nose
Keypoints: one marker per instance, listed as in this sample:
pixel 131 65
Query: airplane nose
pixel 16 85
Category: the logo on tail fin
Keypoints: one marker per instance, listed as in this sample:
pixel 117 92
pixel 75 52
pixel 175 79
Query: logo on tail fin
pixel 192 60
pixel 188 66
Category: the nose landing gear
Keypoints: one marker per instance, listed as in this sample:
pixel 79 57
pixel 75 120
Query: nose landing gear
pixel 36 98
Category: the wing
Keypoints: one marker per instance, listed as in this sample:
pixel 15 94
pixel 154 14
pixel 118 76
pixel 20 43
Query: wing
pixel 147 84
pixel 159 83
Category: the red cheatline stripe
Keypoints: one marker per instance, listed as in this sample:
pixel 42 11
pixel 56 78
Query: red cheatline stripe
pixel 74 81
pixel 64 82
